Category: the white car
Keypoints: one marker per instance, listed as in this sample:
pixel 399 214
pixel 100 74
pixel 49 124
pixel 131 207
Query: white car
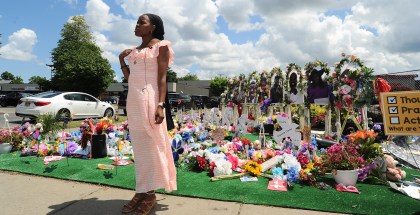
pixel 76 105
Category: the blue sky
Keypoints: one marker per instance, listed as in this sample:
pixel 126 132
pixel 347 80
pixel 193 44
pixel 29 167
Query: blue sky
pixel 221 37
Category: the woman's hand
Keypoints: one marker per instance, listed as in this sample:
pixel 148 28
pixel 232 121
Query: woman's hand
pixel 159 116
pixel 125 53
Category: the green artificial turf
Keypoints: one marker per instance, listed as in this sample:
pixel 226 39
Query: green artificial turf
pixel 373 199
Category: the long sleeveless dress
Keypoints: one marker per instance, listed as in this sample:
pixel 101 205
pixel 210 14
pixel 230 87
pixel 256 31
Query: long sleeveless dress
pixel 154 163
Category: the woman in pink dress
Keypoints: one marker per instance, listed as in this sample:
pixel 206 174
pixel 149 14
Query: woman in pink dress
pixel 146 75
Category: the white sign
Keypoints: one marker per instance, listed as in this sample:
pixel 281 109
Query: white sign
pixel 288 131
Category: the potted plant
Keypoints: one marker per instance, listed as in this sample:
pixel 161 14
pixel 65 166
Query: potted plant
pixel 5 140
pixel 343 160
pixel 11 139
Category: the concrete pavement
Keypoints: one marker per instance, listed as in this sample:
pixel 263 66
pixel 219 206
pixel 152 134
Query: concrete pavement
pixel 29 194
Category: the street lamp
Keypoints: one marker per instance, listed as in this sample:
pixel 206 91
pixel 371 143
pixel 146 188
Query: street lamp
pixel 51 68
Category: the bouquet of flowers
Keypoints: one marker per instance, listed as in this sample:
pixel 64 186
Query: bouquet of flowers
pixel 341 156
pixel 104 125
pixel 368 148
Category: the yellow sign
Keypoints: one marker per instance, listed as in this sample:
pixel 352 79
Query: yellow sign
pixel 401 113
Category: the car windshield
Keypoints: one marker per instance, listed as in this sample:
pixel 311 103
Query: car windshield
pixel 26 94
pixel 173 96
pixel 46 94
pixel 185 97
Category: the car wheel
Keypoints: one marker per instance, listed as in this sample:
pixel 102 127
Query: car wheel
pixel 109 113
pixel 3 103
pixel 125 112
pixel 63 114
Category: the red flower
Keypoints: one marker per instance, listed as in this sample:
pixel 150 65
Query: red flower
pixel 202 162
pixel 303 160
pixel 211 168
pixel 245 141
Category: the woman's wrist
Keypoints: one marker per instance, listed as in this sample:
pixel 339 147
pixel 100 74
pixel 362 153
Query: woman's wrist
pixel 124 66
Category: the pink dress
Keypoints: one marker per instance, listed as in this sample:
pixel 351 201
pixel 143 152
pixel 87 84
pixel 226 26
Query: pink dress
pixel 154 164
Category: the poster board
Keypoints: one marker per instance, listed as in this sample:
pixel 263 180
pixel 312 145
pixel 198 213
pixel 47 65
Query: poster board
pixel 401 113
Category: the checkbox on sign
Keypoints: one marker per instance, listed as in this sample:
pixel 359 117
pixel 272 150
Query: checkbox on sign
pixel 395 120
pixel 392 100
pixel 393 110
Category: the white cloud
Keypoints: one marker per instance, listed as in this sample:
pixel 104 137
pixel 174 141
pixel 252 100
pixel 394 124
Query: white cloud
pixel 98 15
pixel 19 46
pixel 294 32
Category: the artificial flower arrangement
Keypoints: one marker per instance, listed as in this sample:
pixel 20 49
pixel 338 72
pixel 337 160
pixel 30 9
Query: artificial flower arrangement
pixel 352 87
pixel 341 156
pixel 310 162
pixel 365 140
pixel 317 115
pixel 372 152
pixel 104 125
pixel 17 136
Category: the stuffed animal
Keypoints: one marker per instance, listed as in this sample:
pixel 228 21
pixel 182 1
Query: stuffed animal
pixel 392 172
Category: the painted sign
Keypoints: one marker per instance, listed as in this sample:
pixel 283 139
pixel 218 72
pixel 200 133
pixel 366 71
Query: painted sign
pixel 401 113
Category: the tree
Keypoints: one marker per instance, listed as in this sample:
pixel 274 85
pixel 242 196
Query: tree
pixel 171 75
pixel 6 75
pixel 77 62
pixel 17 80
pixel 189 77
pixel 42 82
pixel 218 85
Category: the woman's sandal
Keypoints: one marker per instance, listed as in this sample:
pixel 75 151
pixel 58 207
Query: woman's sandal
pixel 148 203
pixel 134 203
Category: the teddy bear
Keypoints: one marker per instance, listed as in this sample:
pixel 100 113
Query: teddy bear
pixel 392 172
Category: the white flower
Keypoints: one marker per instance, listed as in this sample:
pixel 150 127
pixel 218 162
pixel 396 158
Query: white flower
pixel 223 167
pixel 289 161
pixel 215 157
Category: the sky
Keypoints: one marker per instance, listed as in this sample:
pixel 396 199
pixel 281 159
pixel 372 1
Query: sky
pixel 221 37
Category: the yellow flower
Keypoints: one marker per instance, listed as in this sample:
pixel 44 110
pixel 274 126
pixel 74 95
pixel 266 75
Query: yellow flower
pixel 254 168
pixel 309 167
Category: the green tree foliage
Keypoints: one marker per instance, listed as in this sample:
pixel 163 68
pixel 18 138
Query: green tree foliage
pixel 171 75
pixel 189 77
pixel 77 61
pixel 218 85
pixel 42 82
pixel 17 80
pixel 6 75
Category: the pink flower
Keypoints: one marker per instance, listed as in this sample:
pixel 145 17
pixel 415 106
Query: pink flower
pixel 345 89
pixel 233 160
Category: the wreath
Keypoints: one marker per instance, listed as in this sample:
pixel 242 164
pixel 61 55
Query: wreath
pixel 276 71
pixel 353 86
pixel 312 65
pixel 300 85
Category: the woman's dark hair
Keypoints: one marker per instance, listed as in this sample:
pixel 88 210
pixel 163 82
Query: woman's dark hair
pixel 156 21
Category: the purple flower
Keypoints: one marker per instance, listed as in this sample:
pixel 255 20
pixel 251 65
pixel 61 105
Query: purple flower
pixel 71 147
pixel 363 173
pixel 239 146
pixel 376 127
